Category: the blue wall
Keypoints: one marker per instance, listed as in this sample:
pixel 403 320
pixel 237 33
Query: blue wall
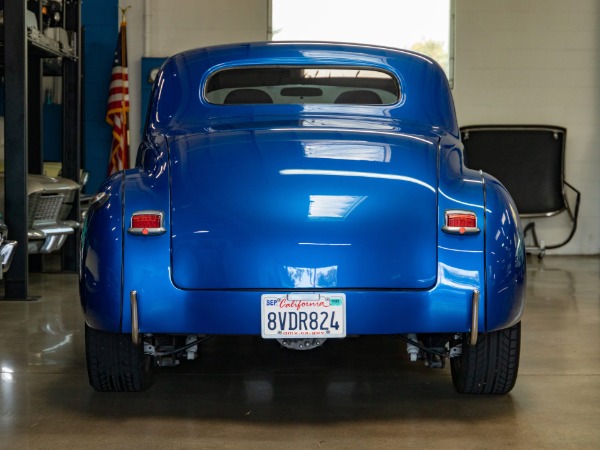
pixel 100 19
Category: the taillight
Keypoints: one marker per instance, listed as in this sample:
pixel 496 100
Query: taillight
pixel 460 222
pixel 147 223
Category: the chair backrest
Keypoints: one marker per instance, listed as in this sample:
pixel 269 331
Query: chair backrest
pixel 527 159
pixel 246 97
pixel 359 97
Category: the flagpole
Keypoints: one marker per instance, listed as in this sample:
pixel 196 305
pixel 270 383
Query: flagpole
pixel 117 114
pixel 123 102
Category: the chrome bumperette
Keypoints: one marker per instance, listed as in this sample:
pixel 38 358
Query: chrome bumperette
pixel 135 334
pixel 49 237
pixel 49 203
pixel 474 318
pixel 7 249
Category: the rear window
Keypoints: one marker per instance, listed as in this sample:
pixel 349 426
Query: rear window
pixel 302 85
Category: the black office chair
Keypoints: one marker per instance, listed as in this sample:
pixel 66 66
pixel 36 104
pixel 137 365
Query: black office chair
pixel 529 160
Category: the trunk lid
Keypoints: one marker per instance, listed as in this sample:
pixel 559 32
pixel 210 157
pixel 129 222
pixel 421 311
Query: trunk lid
pixel 303 209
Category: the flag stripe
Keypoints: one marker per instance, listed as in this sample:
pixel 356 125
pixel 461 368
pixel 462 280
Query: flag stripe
pixel 118 106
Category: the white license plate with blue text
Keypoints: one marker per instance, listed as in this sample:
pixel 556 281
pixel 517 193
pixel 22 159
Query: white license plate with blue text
pixel 303 315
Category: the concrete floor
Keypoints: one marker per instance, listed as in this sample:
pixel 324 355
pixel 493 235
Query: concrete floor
pixel 244 392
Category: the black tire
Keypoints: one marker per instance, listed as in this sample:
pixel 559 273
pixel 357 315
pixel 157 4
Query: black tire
pixel 491 366
pixel 114 363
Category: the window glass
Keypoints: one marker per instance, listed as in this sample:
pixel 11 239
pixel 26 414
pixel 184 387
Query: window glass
pixel 302 85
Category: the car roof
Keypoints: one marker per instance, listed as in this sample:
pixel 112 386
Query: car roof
pixel 177 104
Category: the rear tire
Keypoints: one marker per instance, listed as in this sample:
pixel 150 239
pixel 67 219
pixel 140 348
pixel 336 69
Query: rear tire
pixel 114 363
pixel 491 366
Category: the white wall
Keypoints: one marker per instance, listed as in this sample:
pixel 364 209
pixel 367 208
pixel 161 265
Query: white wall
pixel 177 25
pixel 538 62
pixel 517 62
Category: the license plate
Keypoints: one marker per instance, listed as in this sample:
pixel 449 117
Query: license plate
pixel 305 315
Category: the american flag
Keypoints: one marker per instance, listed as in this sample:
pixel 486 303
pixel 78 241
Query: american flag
pixel 118 105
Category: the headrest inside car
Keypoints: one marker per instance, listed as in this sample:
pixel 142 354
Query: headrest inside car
pixel 247 96
pixel 359 97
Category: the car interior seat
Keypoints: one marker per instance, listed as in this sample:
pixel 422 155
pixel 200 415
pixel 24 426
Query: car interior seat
pixel 359 97
pixel 247 96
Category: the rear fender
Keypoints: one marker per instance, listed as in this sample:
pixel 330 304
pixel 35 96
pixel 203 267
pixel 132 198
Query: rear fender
pixel 147 258
pixel 101 258
pixel 104 263
pixel 505 257
pixel 460 257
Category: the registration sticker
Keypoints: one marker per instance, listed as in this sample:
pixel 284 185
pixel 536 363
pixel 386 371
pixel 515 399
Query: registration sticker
pixel 303 315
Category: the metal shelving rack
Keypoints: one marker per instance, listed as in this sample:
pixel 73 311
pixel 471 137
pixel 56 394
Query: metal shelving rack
pixel 23 63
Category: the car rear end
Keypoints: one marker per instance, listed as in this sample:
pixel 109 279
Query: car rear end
pixel 262 222
pixel 285 210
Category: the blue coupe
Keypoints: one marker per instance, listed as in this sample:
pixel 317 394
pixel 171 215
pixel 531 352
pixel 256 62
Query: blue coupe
pixel 302 192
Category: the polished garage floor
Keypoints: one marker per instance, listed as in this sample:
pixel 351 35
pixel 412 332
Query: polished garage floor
pixel 357 393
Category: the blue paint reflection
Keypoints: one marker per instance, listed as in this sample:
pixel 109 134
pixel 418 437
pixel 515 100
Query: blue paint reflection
pixel 348 151
pixel 309 277
pixel 333 206
pixel 324 244
pixel 457 277
pixel 472 205
pixel 348 173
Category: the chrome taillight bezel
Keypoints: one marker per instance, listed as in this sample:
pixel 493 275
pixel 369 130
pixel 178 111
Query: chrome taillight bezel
pixel 144 231
pixel 459 230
